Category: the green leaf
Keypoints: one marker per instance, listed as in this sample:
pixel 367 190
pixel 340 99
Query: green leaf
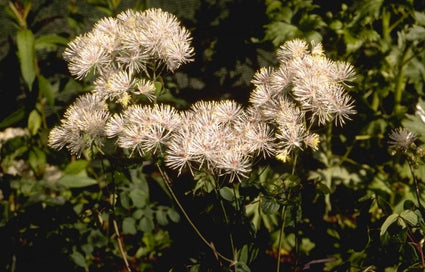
pixel 269 205
pixel 49 42
pixel 26 54
pixel 13 118
pixel 37 160
pixel 173 215
pixel 243 254
pixel 410 217
pixel 419 17
pixel 34 122
pixel 125 200
pixel 416 33
pixel 76 167
pixel 146 224
pixel 323 188
pixel 129 226
pixel 76 181
pixel 227 193
pixel 389 221
pixel 47 90
pixel 138 214
pixel 241 267
pixel 78 258
pixel 161 217
pixel 139 198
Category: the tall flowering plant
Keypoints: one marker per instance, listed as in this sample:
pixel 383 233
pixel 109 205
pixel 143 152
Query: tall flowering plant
pixel 221 144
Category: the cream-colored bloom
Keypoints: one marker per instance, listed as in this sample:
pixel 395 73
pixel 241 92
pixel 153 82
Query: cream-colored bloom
pixel 401 139
pixel 83 125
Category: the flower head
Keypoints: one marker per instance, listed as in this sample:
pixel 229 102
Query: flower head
pixel 401 139
pixel 83 125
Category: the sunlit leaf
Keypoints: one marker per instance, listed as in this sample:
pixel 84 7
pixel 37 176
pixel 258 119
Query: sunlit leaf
pixel 76 181
pixel 388 222
pixel 410 217
pixel 26 53
pixel 76 167
pixel 227 193
pixel 34 122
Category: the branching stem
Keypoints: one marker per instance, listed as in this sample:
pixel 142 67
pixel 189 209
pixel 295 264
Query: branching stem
pixel 167 182
pixel 120 246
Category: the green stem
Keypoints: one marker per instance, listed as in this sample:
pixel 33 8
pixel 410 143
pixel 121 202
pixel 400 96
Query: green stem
pixel 416 185
pixel 283 216
pixel 114 220
pixel 21 18
pixel 375 101
pixel 226 218
pixel 167 182
pixel 282 229
pixel 120 244
pixel 400 81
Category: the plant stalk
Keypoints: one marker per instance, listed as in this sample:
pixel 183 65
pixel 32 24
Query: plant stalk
pixel 120 246
pixel 417 192
pixel 282 229
pixel 167 182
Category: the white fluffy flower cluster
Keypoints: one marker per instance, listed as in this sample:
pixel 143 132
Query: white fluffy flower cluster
pixel 306 89
pixel 218 137
pixel 125 53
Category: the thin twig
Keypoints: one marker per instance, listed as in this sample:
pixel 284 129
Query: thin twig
pixel 416 184
pixel 282 229
pixel 120 246
pixel 195 228
pixel 114 221
pixel 418 246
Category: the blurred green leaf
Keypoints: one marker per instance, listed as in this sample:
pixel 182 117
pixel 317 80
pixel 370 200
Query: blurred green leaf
pixel 138 214
pixel 76 167
pixel 129 226
pixel 37 160
pixel 242 267
pixel 161 217
pixel 416 33
pixel 410 217
pixel 13 118
pixel 146 224
pixel 419 17
pixel 49 42
pixel 269 205
pixel 34 122
pixel 227 193
pixel 243 254
pixel 76 181
pixel 139 198
pixel 388 222
pixel 125 200
pixel 26 54
pixel 46 89
pixel 78 258
pixel 173 215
